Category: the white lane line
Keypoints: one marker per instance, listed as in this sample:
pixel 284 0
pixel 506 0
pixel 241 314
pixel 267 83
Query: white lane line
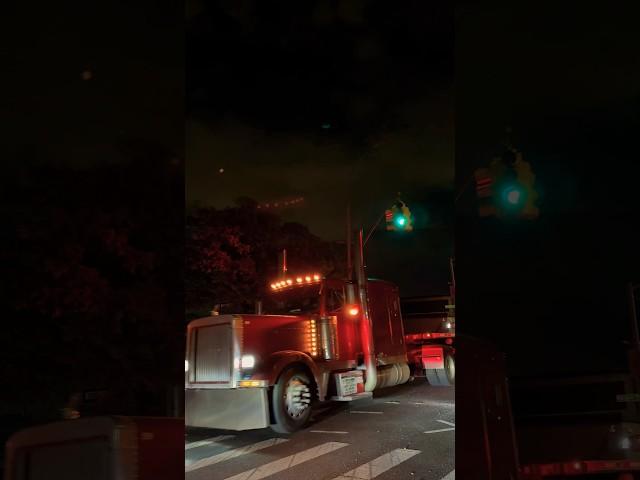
pixel 361 411
pixel 450 476
pixel 286 463
pixel 207 441
pixel 436 404
pixel 440 430
pixel 393 402
pixel 328 431
pixel 446 423
pixel 236 452
pixel 379 465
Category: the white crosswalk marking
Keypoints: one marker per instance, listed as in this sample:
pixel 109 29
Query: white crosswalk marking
pixel 379 465
pixel 446 423
pixel 236 452
pixel 450 476
pixel 329 431
pixel 207 441
pixel 285 463
pixel 440 430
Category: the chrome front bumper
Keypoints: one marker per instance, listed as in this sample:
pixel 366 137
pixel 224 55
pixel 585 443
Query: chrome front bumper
pixel 228 409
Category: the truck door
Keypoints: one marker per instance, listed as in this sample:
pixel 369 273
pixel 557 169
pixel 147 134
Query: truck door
pixel 384 307
pixel 347 325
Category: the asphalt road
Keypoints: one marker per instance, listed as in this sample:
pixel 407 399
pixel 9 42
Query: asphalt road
pixel 404 432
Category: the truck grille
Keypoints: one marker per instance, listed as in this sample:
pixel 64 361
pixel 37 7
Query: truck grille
pixel 213 355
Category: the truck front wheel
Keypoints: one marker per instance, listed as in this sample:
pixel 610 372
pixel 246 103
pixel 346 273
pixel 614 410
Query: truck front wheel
pixel 291 400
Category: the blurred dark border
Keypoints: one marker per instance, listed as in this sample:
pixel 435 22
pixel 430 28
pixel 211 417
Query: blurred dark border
pixel 545 299
pixel 92 191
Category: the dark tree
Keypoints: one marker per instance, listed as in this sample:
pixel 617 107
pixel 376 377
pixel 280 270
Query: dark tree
pixel 93 298
pixel 232 254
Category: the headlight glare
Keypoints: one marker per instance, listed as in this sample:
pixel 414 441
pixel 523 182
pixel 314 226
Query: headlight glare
pixel 247 361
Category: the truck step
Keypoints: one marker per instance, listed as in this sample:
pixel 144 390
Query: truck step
pixel 351 398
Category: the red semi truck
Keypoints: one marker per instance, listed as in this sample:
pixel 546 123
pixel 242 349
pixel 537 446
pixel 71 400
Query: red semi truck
pixel 315 339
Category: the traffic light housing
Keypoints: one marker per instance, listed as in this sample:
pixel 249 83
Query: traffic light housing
pixel 526 178
pixel 399 218
pixel 506 188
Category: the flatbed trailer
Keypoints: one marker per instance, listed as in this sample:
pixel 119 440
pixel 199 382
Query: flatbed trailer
pixel 429 326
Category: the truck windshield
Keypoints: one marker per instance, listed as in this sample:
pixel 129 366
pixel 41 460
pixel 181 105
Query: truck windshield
pixel 296 301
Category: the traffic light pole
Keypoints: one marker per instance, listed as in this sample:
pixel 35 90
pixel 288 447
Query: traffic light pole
pixel 464 188
pixel 366 329
pixel 373 229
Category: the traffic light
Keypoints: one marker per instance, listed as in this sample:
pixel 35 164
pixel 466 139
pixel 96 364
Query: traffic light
pixel 506 188
pixel 484 189
pixel 399 218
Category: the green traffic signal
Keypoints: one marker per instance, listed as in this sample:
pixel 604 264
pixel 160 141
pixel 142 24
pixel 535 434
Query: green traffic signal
pixel 399 218
pixel 507 189
pixel 513 196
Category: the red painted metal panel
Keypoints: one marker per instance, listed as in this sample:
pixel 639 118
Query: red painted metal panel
pixel 388 333
pixel 432 357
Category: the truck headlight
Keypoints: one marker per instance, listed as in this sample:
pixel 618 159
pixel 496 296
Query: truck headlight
pixel 247 361
pixel 186 366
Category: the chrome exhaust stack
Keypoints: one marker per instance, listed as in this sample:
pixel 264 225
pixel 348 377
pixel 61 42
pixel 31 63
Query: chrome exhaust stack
pixel 366 328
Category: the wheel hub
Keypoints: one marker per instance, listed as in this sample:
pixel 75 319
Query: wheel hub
pixel 297 397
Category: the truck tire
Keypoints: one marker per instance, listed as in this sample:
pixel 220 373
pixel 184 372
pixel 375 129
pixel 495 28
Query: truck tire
pixel 291 400
pixel 443 377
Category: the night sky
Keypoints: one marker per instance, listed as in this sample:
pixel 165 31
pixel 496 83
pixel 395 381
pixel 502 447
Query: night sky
pixel 85 77
pixel 336 100
pixel 566 79
pixel 329 101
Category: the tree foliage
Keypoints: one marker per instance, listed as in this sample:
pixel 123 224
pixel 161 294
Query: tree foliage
pixel 232 254
pixel 92 297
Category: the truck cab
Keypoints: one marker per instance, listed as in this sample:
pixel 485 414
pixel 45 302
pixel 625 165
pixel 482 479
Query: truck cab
pixel 307 345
